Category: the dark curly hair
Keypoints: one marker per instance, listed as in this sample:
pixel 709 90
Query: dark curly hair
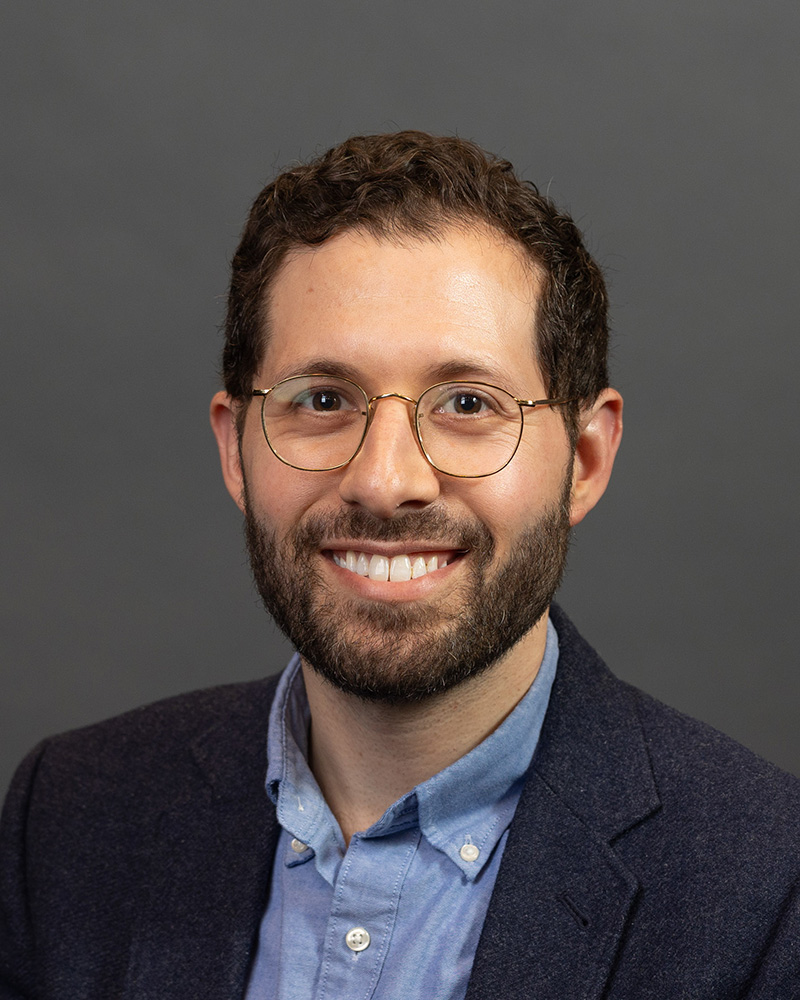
pixel 412 183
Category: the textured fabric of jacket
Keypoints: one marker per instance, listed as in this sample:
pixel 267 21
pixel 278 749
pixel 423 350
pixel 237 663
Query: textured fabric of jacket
pixel 649 856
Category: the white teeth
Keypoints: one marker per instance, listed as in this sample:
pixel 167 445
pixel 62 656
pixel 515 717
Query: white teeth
pixel 379 568
pixel 400 569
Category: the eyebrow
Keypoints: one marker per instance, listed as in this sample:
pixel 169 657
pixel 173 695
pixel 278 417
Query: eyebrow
pixel 454 370
pixel 312 366
pixel 469 368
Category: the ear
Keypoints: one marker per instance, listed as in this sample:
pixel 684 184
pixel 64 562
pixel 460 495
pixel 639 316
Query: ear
pixel 600 434
pixel 223 423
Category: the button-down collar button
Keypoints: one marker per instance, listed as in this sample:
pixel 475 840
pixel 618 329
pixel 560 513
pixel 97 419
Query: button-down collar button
pixel 469 852
pixel 298 846
pixel 357 939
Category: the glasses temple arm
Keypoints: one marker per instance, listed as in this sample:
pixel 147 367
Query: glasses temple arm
pixel 545 402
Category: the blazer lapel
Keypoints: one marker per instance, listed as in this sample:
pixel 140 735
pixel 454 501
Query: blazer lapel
pixel 557 912
pixel 562 897
pixel 213 852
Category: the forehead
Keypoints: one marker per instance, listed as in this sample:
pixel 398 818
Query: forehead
pixel 411 309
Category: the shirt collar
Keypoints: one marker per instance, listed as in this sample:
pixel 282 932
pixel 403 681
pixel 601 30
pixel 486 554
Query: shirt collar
pixel 472 801
pixel 462 811
pixel 300 807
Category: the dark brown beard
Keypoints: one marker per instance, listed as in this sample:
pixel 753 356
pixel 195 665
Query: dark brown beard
pixel 408 651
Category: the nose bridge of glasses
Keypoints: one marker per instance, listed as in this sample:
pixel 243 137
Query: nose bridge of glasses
pixel 391 395
pixel 372 400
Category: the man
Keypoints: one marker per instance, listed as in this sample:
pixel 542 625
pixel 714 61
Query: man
pixel 459 800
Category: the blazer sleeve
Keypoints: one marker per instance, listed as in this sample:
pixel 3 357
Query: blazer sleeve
pixel 17 959
pixel 778 973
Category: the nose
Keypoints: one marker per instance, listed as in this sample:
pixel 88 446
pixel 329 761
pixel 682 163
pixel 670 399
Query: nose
pixel 390 472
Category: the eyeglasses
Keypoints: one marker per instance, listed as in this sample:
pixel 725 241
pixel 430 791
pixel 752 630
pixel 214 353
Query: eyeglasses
pixel 317 423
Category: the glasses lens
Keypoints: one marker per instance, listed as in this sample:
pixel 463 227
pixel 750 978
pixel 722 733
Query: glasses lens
pixel 315 422
pixel 469 429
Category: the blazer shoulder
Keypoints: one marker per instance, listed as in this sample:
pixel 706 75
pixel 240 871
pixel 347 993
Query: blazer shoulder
pixel 615 752
pixel 692 759
pixel 93 817
pixel 183 715
pixel 153 747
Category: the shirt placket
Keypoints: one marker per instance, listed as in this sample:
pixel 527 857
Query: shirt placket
pixel 365 901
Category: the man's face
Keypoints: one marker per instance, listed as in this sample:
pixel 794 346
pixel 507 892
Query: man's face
pixel 398 318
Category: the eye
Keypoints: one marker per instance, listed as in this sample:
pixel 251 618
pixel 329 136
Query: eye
pixel 468 403
pixel 325 399
pixel 464 401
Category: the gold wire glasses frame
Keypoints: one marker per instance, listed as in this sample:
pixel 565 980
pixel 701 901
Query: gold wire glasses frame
pixel 473 424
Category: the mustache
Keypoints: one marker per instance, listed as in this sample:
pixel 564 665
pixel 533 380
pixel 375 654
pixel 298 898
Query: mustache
pixel 430 525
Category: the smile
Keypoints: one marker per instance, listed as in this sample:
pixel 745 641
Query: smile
pixel 393 569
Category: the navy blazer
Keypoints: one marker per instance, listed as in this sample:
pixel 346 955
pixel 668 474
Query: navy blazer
pixel 649 856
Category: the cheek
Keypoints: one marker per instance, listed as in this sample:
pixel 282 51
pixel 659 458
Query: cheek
pixel 514 498
pixel 535 473
pixel 279 494
pixel 501 502
pixel 541 463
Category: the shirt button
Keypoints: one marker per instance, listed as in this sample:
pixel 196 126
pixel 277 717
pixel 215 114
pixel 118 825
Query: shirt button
pixel 298 846
pixel 357 939
pixel 469 852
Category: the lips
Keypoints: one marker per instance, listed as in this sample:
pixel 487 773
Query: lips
pixel 395 569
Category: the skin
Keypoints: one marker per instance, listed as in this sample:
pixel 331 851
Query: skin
pixel 397 317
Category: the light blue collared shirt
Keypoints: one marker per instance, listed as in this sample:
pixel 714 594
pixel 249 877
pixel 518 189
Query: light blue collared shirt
pixel 399 912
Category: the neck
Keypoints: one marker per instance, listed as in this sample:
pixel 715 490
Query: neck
pixel 366 755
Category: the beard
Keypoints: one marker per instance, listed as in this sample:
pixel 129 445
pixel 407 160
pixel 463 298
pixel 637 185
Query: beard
pixel 405 652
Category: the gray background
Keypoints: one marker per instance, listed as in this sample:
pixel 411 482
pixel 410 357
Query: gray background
pixel 135 137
